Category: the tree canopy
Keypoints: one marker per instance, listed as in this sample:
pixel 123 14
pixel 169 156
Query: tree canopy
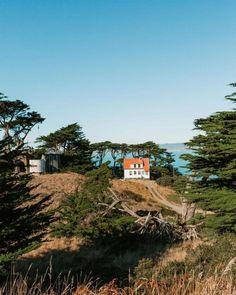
pixel 161 160
pixel 22 222
pixel 213 165
pixel 16 121
pixel 73 145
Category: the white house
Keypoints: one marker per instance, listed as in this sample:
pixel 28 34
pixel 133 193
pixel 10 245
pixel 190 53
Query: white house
pixel 136 168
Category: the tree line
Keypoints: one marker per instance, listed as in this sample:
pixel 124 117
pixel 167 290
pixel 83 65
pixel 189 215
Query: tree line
pixel 22 219
pixel 79 155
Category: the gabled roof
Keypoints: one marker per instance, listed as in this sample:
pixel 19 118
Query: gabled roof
pixel 144 161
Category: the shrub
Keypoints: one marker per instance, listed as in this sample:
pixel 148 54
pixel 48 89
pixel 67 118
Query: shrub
pixel 165 180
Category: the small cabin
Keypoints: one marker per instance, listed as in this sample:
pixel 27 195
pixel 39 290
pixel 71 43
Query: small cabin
pixel 136 168
pixel 49 163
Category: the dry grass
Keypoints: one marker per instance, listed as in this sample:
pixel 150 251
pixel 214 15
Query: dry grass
pixel 178 252
pixel 58 185
pixel 52 243
pixel 165 190
pixel 139 188
pixel 134 186
pixel 180 285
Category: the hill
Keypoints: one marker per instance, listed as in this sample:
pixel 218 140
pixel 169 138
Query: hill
pixel 140 195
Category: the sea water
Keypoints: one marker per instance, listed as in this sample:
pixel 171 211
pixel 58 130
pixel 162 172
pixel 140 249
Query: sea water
pixel 177 149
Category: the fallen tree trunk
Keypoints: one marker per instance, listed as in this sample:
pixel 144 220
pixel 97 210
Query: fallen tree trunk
pixel 156 224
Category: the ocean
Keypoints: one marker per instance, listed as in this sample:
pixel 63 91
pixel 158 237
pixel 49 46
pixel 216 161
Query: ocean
pixel 177 149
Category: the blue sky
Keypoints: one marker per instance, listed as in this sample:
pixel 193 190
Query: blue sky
pixel 126 70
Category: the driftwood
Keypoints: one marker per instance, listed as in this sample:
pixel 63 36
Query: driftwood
pixel 155 223
pixel 188 211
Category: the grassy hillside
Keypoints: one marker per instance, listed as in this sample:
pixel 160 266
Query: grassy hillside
pixel 73 253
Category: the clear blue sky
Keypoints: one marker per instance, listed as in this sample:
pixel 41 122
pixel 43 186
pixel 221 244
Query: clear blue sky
pixel 126 70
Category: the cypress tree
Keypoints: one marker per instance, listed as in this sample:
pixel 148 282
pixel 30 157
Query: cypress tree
pixel 213 165
pixel 73 145
pixel 22 222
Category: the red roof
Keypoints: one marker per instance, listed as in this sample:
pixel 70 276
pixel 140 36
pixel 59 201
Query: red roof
pixel 144 161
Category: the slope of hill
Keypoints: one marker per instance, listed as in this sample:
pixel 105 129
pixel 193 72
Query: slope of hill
pixel 68 253
pixel 140 195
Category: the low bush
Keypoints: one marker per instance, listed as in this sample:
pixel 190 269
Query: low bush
pixel 208 259
pixel 165 180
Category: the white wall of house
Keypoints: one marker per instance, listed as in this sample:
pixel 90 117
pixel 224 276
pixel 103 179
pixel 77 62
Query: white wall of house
pixel 37 166
pixel 136 174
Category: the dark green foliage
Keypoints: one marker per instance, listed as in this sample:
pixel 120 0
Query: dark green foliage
pixel 165 180
pixel 221 201
pixel 213 165
pixel 74 147
pixel 78 210
pixel 113 244
pixel 160 160
pixel 81 214
pixel 16 121
pixel 97 183
pixel 177 182
pixel 112 225
pixel 72 215
pixel 22 222
pixel 180 183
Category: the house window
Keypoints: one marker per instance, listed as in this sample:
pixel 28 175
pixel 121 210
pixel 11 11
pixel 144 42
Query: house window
pixel 139 172
pixel 130 172
pixel 134 165
pixel 135 172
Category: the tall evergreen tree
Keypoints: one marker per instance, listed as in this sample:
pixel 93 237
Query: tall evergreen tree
pixel 22 222
pixel 82 213
pixel 213 165
pixel 73 145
